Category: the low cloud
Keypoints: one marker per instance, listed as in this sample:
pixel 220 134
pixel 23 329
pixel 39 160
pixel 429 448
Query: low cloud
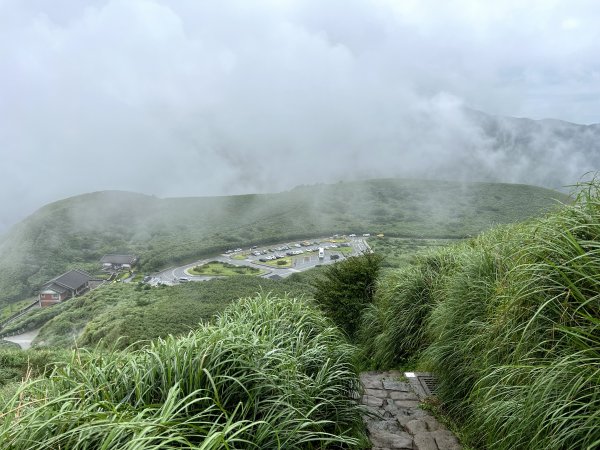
pixel 207 98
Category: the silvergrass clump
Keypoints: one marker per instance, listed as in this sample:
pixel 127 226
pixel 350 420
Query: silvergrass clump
pixel 270 373
pixel 512 330
pixel 392 329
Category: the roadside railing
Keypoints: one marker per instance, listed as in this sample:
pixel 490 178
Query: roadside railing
pixel 18 314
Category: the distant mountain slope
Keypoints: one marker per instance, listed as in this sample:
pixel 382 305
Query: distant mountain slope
pixel 77 231
pixel 548 152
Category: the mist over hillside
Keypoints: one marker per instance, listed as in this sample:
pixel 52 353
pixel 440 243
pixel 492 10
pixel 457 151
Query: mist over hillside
pixel 76 232
pixel 551 153
pixel 192 98
pixel 445 142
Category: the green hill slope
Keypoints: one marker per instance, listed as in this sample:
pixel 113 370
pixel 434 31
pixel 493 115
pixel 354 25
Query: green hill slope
pixel 510 324
pixel 121 314
pixel 76 232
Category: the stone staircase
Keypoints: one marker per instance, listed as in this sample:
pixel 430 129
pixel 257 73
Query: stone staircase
pixel 394 419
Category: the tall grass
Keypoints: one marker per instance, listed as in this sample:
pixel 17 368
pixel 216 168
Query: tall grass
pixel 394 328
pixel 511 328
pixel 270 373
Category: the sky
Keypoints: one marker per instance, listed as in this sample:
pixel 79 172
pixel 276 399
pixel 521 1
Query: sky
pixel 219 97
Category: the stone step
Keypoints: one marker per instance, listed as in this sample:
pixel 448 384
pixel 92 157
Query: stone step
pixel 394 419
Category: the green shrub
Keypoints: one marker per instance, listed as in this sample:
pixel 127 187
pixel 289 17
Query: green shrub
pixel 347 288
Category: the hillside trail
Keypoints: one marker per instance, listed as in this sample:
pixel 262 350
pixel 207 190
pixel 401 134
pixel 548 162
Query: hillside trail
pixel 394 419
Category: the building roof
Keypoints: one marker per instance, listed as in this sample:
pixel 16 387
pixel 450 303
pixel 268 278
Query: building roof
pixel 54 287
pixel 73 279
pixel 118 259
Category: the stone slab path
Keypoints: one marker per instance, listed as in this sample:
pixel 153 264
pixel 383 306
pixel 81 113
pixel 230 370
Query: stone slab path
pixel 393 417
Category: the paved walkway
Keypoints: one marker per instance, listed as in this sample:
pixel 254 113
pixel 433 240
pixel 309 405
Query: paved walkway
pixel 395 421
pixel 25 339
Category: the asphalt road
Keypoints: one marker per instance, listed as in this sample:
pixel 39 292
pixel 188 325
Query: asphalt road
pixel 302 262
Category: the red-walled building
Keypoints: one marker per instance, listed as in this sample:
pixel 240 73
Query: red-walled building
pixel 69 284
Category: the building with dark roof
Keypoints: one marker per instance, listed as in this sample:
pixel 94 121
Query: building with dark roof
pixel 117 262
pixel 69 284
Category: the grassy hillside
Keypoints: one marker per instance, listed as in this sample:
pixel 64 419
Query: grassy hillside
pixel 119 315
pixel 271 373
pixel 509 322
pixel 77 231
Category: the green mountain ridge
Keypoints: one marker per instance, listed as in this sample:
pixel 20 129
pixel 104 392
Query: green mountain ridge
pixel 77 231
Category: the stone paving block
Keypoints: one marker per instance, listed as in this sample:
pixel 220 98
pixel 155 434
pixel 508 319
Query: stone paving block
pixel 392 440
pixel 436 440
pixel 396 385
pixel 424 441
pixel 406 403
pixel 371 381
pixel 426 423
pixel 416 426
pixel 397 395
pixel 372 401
pixel 394 419
pixel 390 426
pixel 445 440
pixel 381 393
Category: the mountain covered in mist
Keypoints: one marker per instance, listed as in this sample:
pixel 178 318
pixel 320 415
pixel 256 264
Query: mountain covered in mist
pixel 77 231
pixel 548 152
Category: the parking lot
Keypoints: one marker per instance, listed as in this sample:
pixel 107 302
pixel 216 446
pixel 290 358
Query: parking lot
pixel 281 259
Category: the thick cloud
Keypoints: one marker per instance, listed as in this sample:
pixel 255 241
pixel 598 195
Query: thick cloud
pixel 218 97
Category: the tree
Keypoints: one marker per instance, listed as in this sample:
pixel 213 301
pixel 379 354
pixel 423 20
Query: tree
pixel 346 288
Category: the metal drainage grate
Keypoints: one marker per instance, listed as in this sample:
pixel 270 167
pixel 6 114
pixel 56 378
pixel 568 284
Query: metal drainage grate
pixel 424 384
pixel 428 383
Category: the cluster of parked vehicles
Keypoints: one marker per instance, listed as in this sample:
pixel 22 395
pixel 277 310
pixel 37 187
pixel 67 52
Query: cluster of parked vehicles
pixel 290 249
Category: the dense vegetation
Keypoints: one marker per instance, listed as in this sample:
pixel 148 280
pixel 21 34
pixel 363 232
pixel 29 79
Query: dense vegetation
pixel 270 373
pixel 510 323
pixel 346 288
pixel 76 232
pixel 121 314
pixel 399 252
pixel 17 365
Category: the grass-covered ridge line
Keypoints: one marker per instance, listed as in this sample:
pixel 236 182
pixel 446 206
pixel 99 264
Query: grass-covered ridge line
pixel 510 323
pixel 271 373
pixel 76 232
